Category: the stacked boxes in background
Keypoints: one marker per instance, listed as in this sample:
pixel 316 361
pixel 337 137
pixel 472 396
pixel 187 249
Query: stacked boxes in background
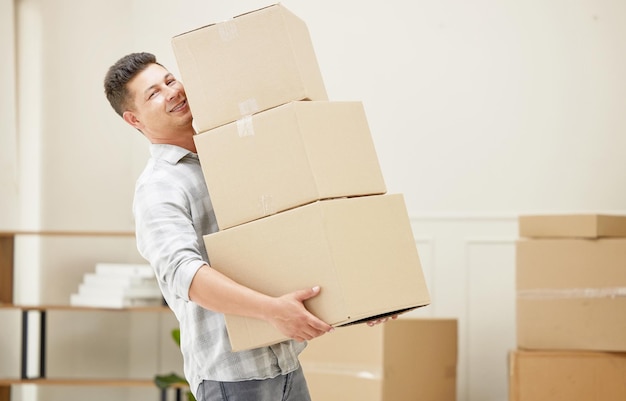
pixel 401 360
pixel 571 284
pixel 294 178
pixel 571 309
pixel 567 376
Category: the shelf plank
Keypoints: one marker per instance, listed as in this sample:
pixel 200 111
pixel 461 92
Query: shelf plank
pixel 85 382
pixel 81 382
pixel 67 233
pixel 157 308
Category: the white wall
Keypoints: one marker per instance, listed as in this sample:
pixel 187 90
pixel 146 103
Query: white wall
pixel 485 106
pixel 479 110
pixel 469 264
pixel 479 106
pixel 475 107
pixel 8 134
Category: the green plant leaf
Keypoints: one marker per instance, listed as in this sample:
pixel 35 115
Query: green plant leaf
pixel 165 381
pixel 176 336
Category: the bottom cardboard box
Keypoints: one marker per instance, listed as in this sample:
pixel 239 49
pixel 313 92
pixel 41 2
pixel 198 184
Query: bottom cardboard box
pixel 360 251
pixel 401 360
pixel 567 376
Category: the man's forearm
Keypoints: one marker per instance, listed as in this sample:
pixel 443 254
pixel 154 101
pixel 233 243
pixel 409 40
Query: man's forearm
pixel 212 290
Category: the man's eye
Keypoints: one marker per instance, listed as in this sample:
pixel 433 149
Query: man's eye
pixel 172 82
pixel 152 94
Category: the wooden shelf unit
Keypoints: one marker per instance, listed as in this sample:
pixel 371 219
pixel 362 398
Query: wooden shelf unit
pixel 42 379
pixel 7 256
pixel 5 385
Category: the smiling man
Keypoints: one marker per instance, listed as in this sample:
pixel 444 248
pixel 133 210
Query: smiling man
pixel 172 212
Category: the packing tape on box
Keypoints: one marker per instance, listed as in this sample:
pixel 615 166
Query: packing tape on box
pixel 266 203
pixel 248 107
pixel 572 293
pixel 227 30
pixel 245 127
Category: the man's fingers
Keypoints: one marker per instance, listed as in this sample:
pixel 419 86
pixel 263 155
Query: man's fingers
pixel 307 333
pixel 319 327
pixel 306 325
pixel 307 293
pixel 381 320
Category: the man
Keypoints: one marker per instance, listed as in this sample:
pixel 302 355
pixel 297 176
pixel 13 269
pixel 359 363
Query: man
pixel 173 211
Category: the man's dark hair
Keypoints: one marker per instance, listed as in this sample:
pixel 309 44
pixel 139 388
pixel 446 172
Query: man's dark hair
pixel 120 74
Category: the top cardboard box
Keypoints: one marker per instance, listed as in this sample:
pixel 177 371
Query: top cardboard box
pixel 247 64
pixel 572 226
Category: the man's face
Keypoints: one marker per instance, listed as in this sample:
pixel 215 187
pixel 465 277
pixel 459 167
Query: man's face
pixel 159 105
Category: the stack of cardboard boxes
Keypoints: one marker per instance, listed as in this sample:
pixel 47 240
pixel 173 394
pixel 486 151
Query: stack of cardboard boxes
pixel 294 178
pixel 571 309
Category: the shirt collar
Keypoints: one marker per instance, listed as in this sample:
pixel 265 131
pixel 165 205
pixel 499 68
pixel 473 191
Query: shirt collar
pixel 172 154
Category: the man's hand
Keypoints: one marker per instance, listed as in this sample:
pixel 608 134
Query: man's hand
pixel 214 291
pixel 373 323
pixel 290 316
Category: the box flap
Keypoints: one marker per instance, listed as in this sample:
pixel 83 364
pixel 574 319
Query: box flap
pixel 221 22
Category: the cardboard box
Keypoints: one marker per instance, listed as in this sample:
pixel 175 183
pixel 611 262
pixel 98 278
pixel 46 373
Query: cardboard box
pixel 567 376
pixel 571 294
pixel 361 251
pixel 247 64
pixel 331 385
pixel 286 157
pixel 401 360
pixel 572 226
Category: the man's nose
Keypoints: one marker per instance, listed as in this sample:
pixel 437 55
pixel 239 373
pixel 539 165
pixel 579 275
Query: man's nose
pixel 171 92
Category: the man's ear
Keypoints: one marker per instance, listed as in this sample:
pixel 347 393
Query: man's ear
pixel 131 119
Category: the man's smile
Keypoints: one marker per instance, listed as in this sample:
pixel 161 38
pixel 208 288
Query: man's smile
pixel 179 106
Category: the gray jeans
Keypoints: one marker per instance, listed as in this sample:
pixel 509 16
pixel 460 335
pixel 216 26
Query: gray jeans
pixel 289 387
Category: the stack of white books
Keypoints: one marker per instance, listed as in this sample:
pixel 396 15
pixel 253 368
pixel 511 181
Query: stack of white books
pixel 118 285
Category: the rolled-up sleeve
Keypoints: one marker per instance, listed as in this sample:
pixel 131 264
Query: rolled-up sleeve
pixel 166 236
pixel 172 211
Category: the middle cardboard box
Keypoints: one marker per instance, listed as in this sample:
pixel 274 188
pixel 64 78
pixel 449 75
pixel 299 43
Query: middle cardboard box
pixel 286 157
pixel 359 250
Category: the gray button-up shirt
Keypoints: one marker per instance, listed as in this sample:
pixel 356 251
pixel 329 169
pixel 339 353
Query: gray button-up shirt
pixel 172 212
